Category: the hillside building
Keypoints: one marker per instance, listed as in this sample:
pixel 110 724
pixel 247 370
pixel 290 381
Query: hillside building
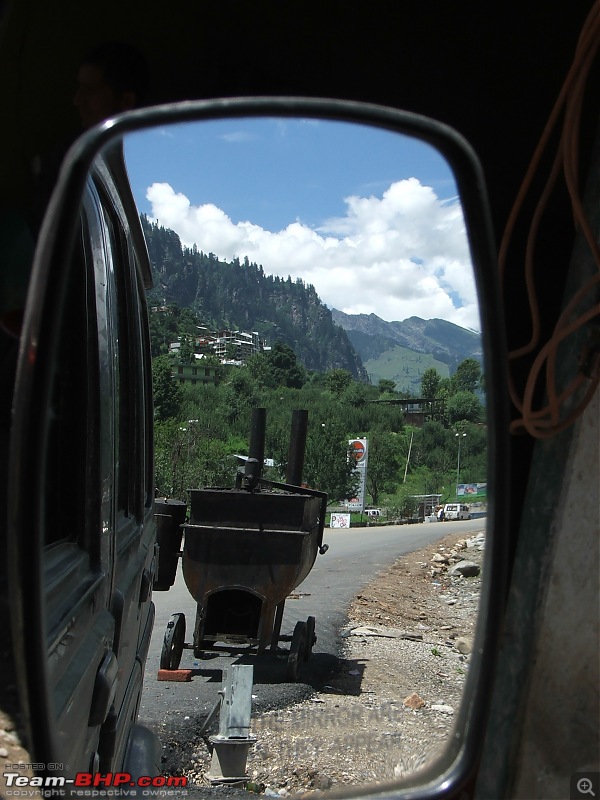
pixel 195 373
pixel 417 411
pixel 230 347
pixel 236 345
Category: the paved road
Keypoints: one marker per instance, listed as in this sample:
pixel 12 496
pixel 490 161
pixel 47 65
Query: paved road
pixel 354 557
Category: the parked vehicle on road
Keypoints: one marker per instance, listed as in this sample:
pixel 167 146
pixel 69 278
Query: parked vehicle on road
pixel 456 511
pixel 373 512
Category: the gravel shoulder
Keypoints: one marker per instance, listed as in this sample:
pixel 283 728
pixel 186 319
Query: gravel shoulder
pixel 389 705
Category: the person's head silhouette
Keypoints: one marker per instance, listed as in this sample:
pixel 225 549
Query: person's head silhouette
pixel 112 77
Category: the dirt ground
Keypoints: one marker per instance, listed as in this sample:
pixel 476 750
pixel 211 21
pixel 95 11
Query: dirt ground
pixel 390 706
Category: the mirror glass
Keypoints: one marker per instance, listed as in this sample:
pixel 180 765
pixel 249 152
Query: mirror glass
pixel 319 265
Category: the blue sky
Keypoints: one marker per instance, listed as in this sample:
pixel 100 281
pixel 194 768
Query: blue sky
pixel 367 216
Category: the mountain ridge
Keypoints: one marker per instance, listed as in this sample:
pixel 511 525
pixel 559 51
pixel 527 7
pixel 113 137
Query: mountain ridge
pixel 240 295
pixel 380 345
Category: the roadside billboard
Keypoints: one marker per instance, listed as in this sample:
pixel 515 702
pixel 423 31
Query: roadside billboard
pixel 471 490
pixel 340 521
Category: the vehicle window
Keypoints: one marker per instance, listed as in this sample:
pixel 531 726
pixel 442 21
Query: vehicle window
pixel 72 446
pixel 131 413
pixel 142 389
pixel 76 502
pixel 145 364
pixel 124 436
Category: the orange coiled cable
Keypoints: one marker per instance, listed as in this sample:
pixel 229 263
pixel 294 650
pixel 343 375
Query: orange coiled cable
pixel 554 416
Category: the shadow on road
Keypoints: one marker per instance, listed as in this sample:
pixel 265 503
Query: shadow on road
pixel 346 678
pixel 271 669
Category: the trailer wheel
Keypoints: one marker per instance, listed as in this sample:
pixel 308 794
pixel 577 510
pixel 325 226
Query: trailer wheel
pixel 310 637
pixel 173 642
pixel 297 649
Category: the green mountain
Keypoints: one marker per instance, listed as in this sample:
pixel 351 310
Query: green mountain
pixel 402 351
pixel 238 295
pixel 403 366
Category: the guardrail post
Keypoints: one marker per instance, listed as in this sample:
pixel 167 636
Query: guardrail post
pixel 233 742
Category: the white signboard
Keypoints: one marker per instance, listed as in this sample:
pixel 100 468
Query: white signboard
pixel 359 452
pixel 340 521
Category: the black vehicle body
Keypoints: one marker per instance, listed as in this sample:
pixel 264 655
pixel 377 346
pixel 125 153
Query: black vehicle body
pixel 81 488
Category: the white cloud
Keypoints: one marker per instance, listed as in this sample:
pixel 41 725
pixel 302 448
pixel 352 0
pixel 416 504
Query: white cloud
pixel 400 255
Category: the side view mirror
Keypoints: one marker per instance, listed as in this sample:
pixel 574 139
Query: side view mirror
pixel 81 493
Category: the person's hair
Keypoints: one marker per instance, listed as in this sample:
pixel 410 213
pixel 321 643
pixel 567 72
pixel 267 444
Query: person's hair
pixel 124 68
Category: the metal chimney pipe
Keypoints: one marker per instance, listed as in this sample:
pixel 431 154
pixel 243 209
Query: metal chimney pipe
pixel 257 435
pixel 256 454
pixel 297 447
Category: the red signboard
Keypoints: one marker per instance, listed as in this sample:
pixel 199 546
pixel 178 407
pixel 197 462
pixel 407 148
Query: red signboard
pixel 357 449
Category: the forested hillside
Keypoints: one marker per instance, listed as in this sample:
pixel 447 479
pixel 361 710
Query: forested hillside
pixel 402 351
pixel 238 295
pixel 198 429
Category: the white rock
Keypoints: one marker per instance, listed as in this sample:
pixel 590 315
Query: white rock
pixel 443 709
pixel 466 568
pixel 464 644
pixel 381 630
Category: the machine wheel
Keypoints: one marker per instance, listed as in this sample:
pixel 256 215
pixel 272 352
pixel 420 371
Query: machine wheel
pixel 297 649
pixel 310 637
pixel 173 642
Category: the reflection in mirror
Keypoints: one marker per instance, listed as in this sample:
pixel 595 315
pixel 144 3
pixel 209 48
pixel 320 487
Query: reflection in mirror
pixel 306 264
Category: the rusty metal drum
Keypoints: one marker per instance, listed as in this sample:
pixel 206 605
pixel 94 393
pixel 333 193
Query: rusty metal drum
pixel 244 553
